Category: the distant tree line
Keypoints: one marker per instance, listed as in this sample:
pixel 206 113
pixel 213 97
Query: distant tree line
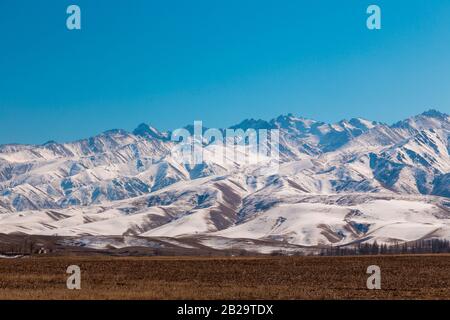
pixel 27 246
pixel 413 247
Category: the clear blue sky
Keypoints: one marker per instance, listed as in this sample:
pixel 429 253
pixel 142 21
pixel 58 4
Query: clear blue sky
pixel 171 62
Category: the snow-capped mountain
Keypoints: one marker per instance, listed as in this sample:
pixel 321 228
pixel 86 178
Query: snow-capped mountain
pixel 355 180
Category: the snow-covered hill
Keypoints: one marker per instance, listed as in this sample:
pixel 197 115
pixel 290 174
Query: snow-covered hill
pixel 355 180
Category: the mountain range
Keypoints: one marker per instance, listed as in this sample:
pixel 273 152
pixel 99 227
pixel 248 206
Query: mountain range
pixel 337 184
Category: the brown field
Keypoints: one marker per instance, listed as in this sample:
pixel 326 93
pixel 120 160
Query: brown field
pixel 403 277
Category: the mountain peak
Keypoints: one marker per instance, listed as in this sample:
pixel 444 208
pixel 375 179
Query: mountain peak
pixel 50 142
pixel 362 123
pixel 147 131
pixel 253 124
pixel 424 121
pixel 433 113
pixel 292 122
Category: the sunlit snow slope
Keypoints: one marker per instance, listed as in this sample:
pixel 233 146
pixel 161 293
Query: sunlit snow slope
pixel 355 180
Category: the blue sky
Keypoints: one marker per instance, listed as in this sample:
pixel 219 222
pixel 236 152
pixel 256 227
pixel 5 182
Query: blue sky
pixel 169 63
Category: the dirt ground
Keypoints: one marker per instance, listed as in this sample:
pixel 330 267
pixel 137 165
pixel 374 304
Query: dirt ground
pixel 402 277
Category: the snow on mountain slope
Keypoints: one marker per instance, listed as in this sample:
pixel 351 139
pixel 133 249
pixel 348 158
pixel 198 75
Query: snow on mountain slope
pixel 355 180
pixel 320 221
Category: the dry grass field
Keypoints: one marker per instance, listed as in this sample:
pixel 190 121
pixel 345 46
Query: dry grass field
pixel 403 277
